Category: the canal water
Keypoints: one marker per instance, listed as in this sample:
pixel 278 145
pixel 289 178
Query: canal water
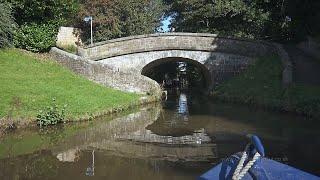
pixel 178 139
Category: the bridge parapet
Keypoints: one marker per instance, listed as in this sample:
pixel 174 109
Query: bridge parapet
pixel 106 75
pixel 120 63
pixel 176 41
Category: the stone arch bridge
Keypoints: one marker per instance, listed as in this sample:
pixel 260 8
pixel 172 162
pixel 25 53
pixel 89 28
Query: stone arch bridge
pixel 126 59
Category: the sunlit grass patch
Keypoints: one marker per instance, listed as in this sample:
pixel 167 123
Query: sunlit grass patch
pixel 28 84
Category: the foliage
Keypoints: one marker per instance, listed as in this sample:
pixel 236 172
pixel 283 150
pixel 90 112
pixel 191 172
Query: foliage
pixel 39 11
pixel 305 17
pixel 304 99
pixel 37 81
pixel 261 85
pixel 39 21
pixel 36 38
pixel 52 115
pixel 267 19
pixel 235 17
pixel 120 18
pixel 7 25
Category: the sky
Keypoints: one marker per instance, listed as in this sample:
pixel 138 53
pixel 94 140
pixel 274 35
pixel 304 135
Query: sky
pixel 165 24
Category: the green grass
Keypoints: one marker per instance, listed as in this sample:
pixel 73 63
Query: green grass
pixel 28 84
pixel 261 85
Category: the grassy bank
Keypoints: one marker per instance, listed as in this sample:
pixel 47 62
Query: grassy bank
pixel 261 85
pixel 29 84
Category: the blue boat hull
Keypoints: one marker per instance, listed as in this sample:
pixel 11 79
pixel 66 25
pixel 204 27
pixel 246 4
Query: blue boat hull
pixel 263 169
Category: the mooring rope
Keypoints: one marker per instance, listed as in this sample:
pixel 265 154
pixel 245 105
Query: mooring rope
pixel 240 170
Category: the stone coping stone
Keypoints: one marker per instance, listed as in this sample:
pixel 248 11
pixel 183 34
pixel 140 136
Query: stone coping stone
pixel 173 34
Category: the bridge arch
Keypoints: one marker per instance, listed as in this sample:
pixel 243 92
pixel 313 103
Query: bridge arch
pixel 203 70
pixel 220 65
pixel 219 58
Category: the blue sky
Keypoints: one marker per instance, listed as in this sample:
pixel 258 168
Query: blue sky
pixel 166 22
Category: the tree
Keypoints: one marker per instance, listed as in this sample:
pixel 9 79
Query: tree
pixel 39 21
pixel 7 25
pixel 234 17
pixel 258 19
pixel 43 11
pixel 120 18
pixel 305 17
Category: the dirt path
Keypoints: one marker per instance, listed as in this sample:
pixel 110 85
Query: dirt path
pixel 306 69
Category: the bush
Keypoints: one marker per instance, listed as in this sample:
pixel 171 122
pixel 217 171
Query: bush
pixel 42 11
pixel 7 25
pixel 52 115
pixel 36 38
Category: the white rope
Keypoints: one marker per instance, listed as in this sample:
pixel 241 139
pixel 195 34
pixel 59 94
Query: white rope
pixel 240 165
pixel 240 170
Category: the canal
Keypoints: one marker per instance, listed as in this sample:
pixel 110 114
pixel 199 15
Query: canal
pixel 178 139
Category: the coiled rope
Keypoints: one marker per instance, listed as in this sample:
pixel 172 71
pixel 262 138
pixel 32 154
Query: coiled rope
pixel 240 170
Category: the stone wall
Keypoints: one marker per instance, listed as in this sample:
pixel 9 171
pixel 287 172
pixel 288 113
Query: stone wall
pixel 106 75
pixel 176 41
pixel 223 57
pixel 220 66
pixel 119 63
pixel 67 36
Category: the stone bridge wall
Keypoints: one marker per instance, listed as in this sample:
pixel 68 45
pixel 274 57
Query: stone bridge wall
pixel 219 66
pixel 223 57
pixel 119 63
pixel 106 75
pixel 176 41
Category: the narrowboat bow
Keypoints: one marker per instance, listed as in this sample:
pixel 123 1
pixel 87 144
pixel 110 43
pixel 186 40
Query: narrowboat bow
pixel 252 165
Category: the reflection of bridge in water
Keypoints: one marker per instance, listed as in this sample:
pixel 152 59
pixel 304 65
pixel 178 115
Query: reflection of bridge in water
pixel 160 143
pixel 153 133
pixel 128 137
